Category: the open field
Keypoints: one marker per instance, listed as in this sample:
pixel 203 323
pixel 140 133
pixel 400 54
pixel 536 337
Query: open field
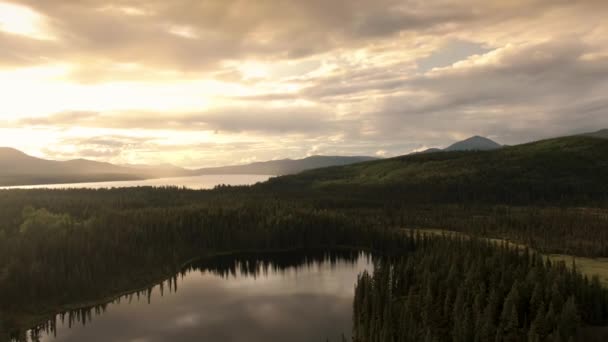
pixel 588 266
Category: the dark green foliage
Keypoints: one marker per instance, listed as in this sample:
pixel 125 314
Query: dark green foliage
pixel 466 290
pixel 109 241
pixel 72 247
pixel 281 166
pixel 63 247
pixel 570 170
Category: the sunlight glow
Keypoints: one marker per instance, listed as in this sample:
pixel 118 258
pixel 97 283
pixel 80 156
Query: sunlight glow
pixel 55 93
pixel 252 70
pixel 183 31
pixel 131 11
pixel 21 20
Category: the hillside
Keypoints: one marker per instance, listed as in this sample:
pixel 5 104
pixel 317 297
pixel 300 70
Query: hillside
pixel 573 168
pixel 283 166
pixel 599 134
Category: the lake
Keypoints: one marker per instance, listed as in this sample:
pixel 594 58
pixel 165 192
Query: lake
pixel 295 296
pixel 195 182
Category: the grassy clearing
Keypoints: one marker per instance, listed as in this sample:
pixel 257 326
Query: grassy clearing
pixel 587 266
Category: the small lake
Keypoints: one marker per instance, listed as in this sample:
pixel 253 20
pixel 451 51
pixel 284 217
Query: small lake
pixel 295 296
pixel 195 182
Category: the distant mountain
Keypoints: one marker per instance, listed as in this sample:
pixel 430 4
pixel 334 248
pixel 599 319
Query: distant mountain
pixel 475 143
pixel 599 134
pixel 15 161
pixel 283 166
pixel 18 168
pixel 159 170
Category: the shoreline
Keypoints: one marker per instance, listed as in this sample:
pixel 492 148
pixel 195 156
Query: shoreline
pixel 38 321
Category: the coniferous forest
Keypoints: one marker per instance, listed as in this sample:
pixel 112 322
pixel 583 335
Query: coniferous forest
pixel 448 290
pixel 61 248
pixel 304 170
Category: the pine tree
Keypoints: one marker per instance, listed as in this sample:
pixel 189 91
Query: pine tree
pixel 569 319
pixel 509 320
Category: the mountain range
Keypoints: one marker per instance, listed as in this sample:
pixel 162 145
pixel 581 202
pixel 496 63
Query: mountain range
pixel 18 168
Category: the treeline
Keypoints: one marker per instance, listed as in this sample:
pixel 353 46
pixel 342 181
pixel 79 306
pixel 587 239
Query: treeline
pixel 559 230
pixel 467 290
pixel 258 263
pixel 55 257
pixel 552 229
pixel 47 236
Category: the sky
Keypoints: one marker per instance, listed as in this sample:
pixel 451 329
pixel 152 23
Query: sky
pixel 215 82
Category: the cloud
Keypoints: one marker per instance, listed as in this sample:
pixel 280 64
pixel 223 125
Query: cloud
pixel 60 119
pixel 506 91
pixel 452 52
pixel 23 51
pixel 152 33
pixel 229 119
pixel 291 78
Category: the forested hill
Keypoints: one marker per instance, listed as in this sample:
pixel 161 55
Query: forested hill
pixel 603 133
pixel 572 169
pixel 284 166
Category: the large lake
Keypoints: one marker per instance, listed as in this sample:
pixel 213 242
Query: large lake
pixel 297 297
pixel 196 182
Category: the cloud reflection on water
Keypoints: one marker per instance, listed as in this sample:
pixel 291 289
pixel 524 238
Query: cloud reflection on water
pixel 307 303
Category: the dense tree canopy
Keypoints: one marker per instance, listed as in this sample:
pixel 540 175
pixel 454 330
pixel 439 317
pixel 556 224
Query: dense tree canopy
pixel 463 290
pixel 61 247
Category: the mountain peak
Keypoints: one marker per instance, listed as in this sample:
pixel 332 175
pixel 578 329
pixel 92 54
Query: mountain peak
pixel 474 143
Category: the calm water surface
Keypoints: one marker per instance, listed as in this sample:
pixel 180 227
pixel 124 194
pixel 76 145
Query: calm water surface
pixel 279 297
pixel 196 182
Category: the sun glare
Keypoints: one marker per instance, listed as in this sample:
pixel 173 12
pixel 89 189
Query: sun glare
pixel 23 21
pixel 54 93
pixel 251 70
